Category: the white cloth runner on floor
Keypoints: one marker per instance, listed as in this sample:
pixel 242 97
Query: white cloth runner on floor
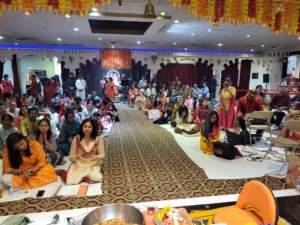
pixel 218 168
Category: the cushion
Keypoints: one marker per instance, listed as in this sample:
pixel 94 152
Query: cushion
pixel 234 216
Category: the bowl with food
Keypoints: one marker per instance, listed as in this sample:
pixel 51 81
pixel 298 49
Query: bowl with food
pixel 114 214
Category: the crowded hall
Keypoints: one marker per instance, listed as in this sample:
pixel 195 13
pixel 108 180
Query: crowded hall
pixel 150 112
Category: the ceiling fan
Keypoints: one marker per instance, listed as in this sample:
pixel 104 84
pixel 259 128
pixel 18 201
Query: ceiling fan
pixel 149 13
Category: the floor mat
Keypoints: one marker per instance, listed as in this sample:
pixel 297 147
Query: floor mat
pixel 225 169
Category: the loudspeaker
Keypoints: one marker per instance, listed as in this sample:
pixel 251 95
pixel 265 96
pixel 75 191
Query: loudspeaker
pixel 266 78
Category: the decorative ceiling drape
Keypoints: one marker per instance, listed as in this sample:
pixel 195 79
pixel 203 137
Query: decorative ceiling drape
pixel 274 14
pixel 15 72
pixel 115 59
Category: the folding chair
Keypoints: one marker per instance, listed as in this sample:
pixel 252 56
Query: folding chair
pixel 259 115
pixel 285 143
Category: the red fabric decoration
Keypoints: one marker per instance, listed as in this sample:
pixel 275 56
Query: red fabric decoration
pixel 115 59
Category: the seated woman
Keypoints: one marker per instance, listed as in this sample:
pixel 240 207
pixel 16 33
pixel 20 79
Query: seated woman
pixel 23 114
pixel 88 111
pixel 47 140
pixel 183 122
pixel 210 132
pixel 112 112
pixel 200 114
pixel 24 164
pixel 6 129
pixel 140 101
pixel 86 155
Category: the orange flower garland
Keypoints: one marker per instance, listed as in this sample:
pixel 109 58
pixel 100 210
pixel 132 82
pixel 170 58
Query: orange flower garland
pixel 70 7
pixel 274 14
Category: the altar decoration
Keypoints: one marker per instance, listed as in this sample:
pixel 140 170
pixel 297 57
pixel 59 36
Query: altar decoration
pixel 172 216
pixel 277 15
pixel 63 7
pixel 115 59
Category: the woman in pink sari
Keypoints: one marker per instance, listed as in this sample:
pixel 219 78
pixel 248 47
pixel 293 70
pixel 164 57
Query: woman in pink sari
pixel 110 89
pixel 227 104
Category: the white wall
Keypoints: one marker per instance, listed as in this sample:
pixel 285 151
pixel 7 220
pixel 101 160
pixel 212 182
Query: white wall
pixel 34 59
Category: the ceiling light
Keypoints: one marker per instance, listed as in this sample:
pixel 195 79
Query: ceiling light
pixel 264 25
pixel 220 44
pixel 298 38
pixel 27 13
pixel 192 34
pixel 185 49
pixel 75 29
pixel 16 43
pixel 138 42
pixel 209 30
pixel 248 35
pixel 252 50
pixel 99 39
pixel 112 46
pixel 59 39
pixel 162 13
pixel 174 43
pixel 1 37
pixel 67 16
pixel 149 11
pixel 262 46
pixel 176 21
pixel 94 14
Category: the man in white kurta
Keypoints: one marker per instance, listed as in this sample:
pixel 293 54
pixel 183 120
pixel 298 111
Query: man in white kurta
pixel 80 86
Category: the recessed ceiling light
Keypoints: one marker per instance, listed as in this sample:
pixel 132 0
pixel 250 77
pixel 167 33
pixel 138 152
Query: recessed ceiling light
pixel 185 49
pixel 94 9
pixel 192 34
pixel 174 43
pixel 262 46
pixel 75 29
pixel 264 25
pixel 298 38
pixel 59 39
pixel 248 35
pixel 94 14
pixel 220 44
pixel 67 16
pixel 162 13
pixel 99 39
pixel 112 46
pixel 252 50
pixel 176 21
pixel 16 43
pixel 209 30
pixel 138 42
pixel 27 13
pixel 1 37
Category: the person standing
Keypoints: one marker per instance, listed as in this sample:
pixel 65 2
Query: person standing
pixel 143 83
pixel 80 85
pixel 227 102
pixel 71 85
pixel 213 86
pixel 110 89
pixel 7 87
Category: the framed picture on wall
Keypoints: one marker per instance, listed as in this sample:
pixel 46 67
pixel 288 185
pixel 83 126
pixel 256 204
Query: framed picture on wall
pixel 254 75
pixel 40 73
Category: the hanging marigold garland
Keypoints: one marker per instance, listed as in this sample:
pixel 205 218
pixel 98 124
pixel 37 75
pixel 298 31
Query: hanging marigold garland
pixel 64 7
pixel 277 15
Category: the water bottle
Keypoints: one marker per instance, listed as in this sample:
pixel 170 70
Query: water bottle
pixel 298 184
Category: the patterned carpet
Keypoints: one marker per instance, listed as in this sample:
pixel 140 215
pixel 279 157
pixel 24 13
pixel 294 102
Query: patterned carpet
pixel 143 163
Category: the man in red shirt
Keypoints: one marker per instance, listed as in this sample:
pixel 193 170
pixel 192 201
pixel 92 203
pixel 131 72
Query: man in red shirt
pixel 248 104
pixel 7 87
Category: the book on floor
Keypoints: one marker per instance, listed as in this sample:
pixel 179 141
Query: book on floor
pixel 78 190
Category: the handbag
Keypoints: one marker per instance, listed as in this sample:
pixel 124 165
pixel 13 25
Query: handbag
pixel 224 150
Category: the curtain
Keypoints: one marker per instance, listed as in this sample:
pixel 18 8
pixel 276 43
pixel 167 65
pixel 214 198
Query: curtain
pixel 14 67
pixel 1 69
pixel 244 77
pixel 115 59
pixel 284 67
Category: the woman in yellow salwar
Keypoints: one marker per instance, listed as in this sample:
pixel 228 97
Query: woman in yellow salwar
pixel 24 164
pixel 210 132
